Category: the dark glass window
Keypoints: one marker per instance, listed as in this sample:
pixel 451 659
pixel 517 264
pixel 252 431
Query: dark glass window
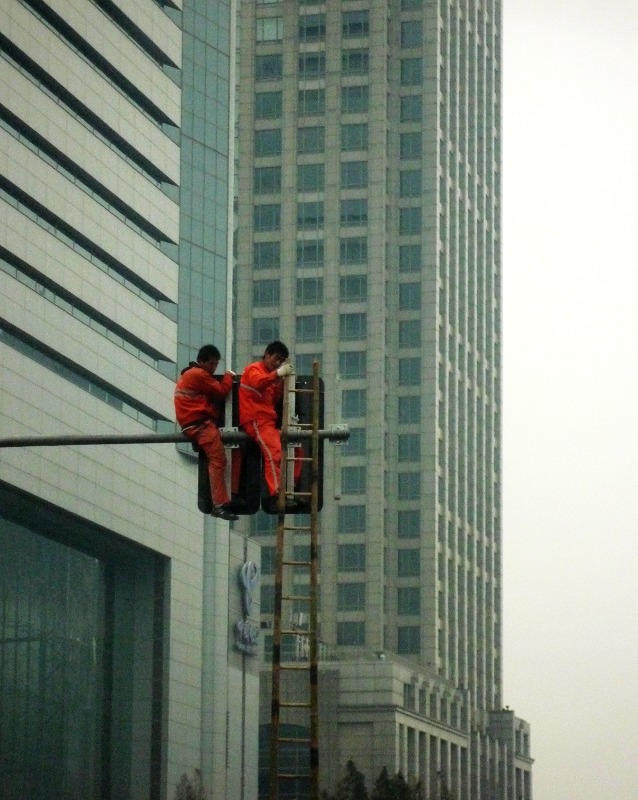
pixel 267 217
pixel 408 563
pixel 265 330
pixel 311 140
pixel 266 255
pixel 353 250
pixel 410 183
pixel 353 288
pixel 354 136
pixel 352 364
pixel 411 71
pixel 351 557
pixel 353 402
pixel 409 410
pixel 265 293
pixel 409 296
pixel 312 65
pixel 353 480
pixel 310 177
pixel 412 108
pixel 354 99
pixel 410 258
pixel 268 67
pixel 309 291
pixel 412 33
pixel 351 596
pixel 408 600
pixel 409 524
pixel 269 29
pixel 312 27
pixel 355 62
pixel 309 328
pixel 409 447
pixel 268 105
pixel 355 24
pixel 410 145
pixel 409 371
pixel 311 101
pixel 310 253
pixel 354 212
pixel 351 634
pixel 356 444
pixel 354 174
pixel 352 327
pixel 310 215
pixel 408 638
pixel 409 485
pixel 268 142
pixel 410 220
pixel 351 519
pixel 410 333
pixel 267 180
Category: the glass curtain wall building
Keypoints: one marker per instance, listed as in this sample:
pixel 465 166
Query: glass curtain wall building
pixel 368 233
pixel 117 671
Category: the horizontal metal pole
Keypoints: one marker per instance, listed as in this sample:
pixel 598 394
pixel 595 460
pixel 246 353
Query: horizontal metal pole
pixel 335 433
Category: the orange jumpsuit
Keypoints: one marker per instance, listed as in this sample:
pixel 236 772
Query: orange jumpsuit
pixel 259 392
pixel 197 396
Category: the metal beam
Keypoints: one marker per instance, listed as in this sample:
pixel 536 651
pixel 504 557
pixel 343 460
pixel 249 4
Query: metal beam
pixel 230 436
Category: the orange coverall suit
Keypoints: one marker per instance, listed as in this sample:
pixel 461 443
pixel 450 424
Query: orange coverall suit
pixel 196 396
pixel 259 392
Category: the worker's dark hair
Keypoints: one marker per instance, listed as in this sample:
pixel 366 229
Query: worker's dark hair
pixel 207 352
pixel 276 348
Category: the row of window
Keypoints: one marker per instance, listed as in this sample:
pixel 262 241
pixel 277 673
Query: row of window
pixel 352 328
pixel 354 25
pixel 311 178
pixel 269 105
pixel 406 5
pixel 353 250
pixel 351 519
pixel 352 634
pixel 352 289
pixel 269 142
pixel 353 212
pixel 269 67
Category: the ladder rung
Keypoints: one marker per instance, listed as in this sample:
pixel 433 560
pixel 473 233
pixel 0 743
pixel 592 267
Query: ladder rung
pixel 300 459
pixel 292 776
pixel 302 391
pixel 293 740
pixel 291 632
pixel 297 528
pixel 296 597
pixel 294 704
pixel 296 563
pixel 305 665
pixel 301 494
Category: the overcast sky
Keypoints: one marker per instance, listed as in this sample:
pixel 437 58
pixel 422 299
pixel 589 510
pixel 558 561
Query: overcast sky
pixel 570 278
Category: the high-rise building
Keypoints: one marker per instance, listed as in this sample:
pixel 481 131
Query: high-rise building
pixel 118 669
pixel 368 236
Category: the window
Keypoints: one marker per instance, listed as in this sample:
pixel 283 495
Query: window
pixel 268 105
pixel 412 33
pixel 410 145
pixel 353 402
pixel 266 255
pixel 410 183
pixel 408 600
pixel 354 174
pixel 312 65
pixel 310 177
pixel 409 447
pixel 351 519
pixel 310 253
pixel 265 330
pixel 265 293
pixel 355 62
pixel 304 362
pixel 409 371
pixel 354 99
pixel 409 485
pixel 312 27
pixel 309 328
pixel 352 327
pixel 268 142
pixel 268 558
pixel 268 67
pixel 410 258
pixel 267 599
pixel 353 212
pixel 351 634
pixel 269 29
pixel 411 71
pixel 267 217
pixel 409 410
pixel 410 333
pixel 352 364
pixel 410 220
pixel 310 215
pixel 408 636
pixel 267 180
pixel 354 24
pixel 409 524
pixel 409 296
pixel 408 563
pixel 311 140
pixel 353 480
pixel 351 557
pixel 309 291
pixel 411 5
pixel 354 136
pixel 356 444
pixel 311 101
pixel 353 289
pixel 351 596
pixel 412 108
pixel 353 250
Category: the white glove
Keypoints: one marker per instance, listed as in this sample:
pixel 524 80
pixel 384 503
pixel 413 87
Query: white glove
pixel 285 369
pixel 230 372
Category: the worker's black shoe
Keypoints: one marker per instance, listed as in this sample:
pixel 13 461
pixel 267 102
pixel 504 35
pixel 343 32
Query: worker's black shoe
pixel 271 504
pixel 223 512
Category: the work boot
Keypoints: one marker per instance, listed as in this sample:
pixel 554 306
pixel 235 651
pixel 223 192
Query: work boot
pixel 223 512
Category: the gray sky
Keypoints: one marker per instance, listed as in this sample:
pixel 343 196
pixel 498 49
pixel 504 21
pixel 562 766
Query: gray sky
pixel 570 254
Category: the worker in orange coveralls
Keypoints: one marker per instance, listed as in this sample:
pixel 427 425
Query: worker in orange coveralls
pixel 260 388
pixel 197 395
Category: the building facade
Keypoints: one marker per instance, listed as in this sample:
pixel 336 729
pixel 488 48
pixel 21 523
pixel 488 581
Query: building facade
pixel 118 669
pixel 368 236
